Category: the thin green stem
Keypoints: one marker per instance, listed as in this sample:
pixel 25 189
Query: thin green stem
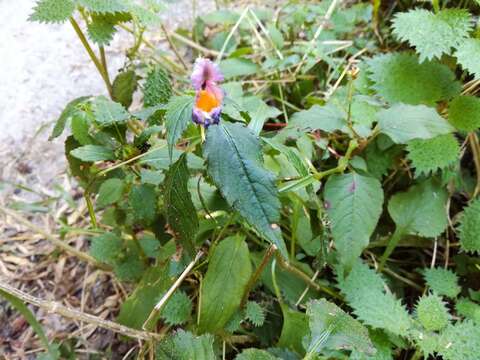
pixel 342 162
pixel 92 55
pixel 91 212
pixel 392 244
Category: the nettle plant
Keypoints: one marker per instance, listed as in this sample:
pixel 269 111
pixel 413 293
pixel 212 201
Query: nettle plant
pixel 284 197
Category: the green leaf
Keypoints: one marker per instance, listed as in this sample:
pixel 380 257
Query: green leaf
pixel 429 155
pixel 467 53
pixel 432 34
pixel 464 113
pixel 33 322
pixel 227 276
pixel 108 112
pixel 460 341
pixel 80 126
pixel 104 6
pixel 157 88
pixel 328 118
pixel 143 200
pixel 432 312
pixel 101 29
pixel 179 209
pixel 468 309
pixel 178 117
pixel 420 210
pixel 233 156
pixel 70 110
pixel 442 281
pixel 186 346
pixel 259 112
pixel 255 354
pixel 106 247
pixel 254 313
pixel 470 227
pixel 354 204
pixel 399 77
pixel 110 192
pixel 138 306
pixel 92 153
pixel 276 36
pixel 178 309
pixel 332 328
pixel 238 67
pixel 294 330
pixel 364 290
pixel 403 123
pixel 52 11
pixel 124 86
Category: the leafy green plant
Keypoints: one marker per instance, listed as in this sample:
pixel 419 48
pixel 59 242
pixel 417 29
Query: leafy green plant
pixel 285 203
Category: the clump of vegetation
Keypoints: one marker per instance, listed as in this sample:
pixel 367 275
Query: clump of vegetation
pixel 299 182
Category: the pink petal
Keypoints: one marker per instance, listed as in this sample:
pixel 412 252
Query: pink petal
pixel 205 73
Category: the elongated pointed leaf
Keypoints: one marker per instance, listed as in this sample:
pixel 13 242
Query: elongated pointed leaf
pixel 354 204
pixel 224 284
pixel 234 163
pixel 177 117
pixel 92 153
pixel 179 208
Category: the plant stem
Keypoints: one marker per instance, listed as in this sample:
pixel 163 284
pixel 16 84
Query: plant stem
pixel 392 244
pixel 173 47
pixel 253 279
pixel 229 36
pixel 57 242
pixel 91 211
pixel 475 145
pixel 92 55
pixel 342 163
pixel 170 291
pixel 56 308
pixel 301 275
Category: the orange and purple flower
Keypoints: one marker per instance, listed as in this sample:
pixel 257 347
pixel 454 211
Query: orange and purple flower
pixel 209 96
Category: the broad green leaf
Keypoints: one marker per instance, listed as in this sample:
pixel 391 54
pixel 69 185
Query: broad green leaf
pixel 470 227
pixel 420 210
pixel 101 29
pixel 160 159
pixel 138 306
pixel 104 6
pixel 52 11
pixel 124 86
pixel 429 155
pixel 157 88
pixel 432 34
pixel 178 117
pixel 66 114
pixel 234 163
pixel 223 17
pixel 460 341
pixel 467 54
pixel 294 330
pixel 178 308
pixel 464 113
pixel 399 77
pixel 227 276
pixel 106 247
pixel 328 118
pixel 442 281
pixel 184 345
pixel 143 200
pixel 364 291
pixel 108 112
pixel 80 126
pixel 92 153
pixel 432 312
pixel 254 313
pixel 354 204
pixel 276 36
pixel 110 192
pixel 468 309
pixel 259 112
pixel 403 123
pixel 255 354
pixel 238 67
pixel 180 212
pixel 332 328
pixel 23 309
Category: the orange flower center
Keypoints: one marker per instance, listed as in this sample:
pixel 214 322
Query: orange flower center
pixel 206 101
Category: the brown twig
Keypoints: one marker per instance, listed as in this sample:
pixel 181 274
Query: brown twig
pixel 56 308
pixel 54 240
